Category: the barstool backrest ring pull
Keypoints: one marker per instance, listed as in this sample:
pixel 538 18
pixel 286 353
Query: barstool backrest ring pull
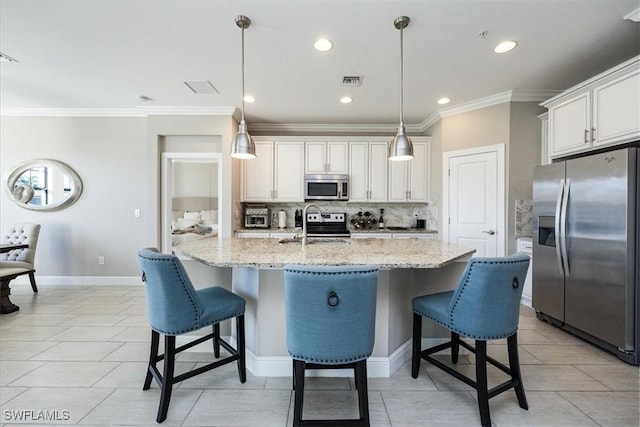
pixel 332 299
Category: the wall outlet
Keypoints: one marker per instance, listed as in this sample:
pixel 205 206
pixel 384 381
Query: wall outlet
pixel 100 260
pixel 136 213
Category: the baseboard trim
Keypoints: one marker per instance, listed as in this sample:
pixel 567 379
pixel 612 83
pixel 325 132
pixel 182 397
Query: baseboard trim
pixel 80 280
pixel 377 367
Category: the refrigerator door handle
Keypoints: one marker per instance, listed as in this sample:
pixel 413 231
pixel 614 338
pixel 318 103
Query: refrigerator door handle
pixel 563 227
pixel 557 227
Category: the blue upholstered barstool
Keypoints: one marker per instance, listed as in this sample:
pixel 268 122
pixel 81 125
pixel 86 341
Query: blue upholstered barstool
pixel 330 313
pixel 176 308
pixel 484 306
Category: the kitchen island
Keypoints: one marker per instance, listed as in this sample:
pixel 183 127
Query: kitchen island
pixel 407 268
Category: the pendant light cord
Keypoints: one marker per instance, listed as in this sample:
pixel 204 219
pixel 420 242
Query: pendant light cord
pixel 243 73
pixel 401 78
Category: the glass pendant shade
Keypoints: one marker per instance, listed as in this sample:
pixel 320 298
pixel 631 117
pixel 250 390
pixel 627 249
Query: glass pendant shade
pixel 243 146
pixel 401 147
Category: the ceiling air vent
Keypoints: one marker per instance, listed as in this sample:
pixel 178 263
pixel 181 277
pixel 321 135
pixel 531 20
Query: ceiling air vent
pixel 351 81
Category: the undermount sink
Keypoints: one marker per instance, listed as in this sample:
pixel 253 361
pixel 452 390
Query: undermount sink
pixel 316 241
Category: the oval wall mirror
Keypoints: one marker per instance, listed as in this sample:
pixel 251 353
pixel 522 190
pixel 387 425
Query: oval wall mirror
pixel 43 184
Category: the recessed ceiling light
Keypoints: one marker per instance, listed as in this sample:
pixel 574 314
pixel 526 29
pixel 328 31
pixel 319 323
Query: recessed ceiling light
pixel 505 46
pixel 323 45
pixel 249 98
pixel 443 100
pixel 346 100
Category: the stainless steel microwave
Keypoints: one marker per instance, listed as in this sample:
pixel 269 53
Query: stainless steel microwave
pixel 326 187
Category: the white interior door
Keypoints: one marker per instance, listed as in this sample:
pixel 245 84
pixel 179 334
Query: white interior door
pixel 473 199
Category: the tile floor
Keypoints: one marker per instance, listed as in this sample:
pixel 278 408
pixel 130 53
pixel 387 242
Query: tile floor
pixel 79 353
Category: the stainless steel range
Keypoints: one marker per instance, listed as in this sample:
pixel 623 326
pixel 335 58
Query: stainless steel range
pixel 327 225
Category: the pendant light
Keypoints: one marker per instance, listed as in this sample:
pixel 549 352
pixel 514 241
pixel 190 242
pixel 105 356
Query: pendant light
pixel 401 147
pixel 243 146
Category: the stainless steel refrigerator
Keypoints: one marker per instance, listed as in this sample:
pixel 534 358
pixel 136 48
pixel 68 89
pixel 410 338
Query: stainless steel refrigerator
pixel 585 248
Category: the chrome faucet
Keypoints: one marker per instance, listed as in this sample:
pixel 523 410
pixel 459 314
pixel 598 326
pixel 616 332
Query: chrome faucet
pixel 304 220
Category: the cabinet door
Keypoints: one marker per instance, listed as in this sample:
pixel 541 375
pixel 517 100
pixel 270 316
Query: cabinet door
pixel 419 173
pixel 428 236
pixel 315 157
pixel 398 180
pixel 570 125
pixel 616 110
pixel 289 172
pixel 337 157
pixel 378 170
pixel 258 174
pixel 358 172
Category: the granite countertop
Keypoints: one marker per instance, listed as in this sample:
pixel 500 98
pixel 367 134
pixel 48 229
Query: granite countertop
pixel 269 253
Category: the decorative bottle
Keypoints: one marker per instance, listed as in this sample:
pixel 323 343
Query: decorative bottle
pixel 381 220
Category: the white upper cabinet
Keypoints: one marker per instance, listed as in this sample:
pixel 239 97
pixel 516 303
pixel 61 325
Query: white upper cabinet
pixel 368 171
pixel 327 157
pixel 602 111
pixel 616 110
pixel 409 180
pixel 257 174
pixel 276 175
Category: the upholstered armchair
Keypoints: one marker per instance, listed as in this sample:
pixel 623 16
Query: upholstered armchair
pixel 20 261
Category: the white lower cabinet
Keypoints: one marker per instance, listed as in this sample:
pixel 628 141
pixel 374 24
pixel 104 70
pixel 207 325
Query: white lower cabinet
pixel 525 245
pixel 430 236
pixel 371 235
pixel 252 235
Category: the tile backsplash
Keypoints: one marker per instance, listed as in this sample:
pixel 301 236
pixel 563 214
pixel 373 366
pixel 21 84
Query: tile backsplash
pixel 524 218
pixel 400 215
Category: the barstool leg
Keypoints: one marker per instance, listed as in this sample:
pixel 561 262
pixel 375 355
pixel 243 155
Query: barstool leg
pixel 416 343
pixel 298 394
pixel 167 380
pixel 242 363
pixel 455 347
pixel 153 355
pixel 481 383
pixel 514 367
pixel 363 394
pixel 216 340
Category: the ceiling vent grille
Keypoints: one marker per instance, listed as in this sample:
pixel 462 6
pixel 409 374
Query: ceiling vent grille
pixel 351 81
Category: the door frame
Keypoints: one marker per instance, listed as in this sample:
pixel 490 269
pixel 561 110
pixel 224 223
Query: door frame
pixel 167 174
pixel 499 149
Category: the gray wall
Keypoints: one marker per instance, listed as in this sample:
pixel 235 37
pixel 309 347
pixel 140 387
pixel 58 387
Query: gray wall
pixel 118 160
pixel 110 156
pixel 514 124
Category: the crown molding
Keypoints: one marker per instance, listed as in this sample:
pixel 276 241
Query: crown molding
pixel 119 112
pixel 634 16
pixel 72 112
pixel 275 128
pixel 189 111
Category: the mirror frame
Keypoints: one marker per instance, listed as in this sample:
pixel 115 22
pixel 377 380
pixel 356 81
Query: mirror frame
pixel 16 172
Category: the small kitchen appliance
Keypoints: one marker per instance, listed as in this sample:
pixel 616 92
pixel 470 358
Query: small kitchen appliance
pixel 257 216
pixel 326 187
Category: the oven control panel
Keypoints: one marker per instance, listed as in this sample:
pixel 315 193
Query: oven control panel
pixel 326 217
